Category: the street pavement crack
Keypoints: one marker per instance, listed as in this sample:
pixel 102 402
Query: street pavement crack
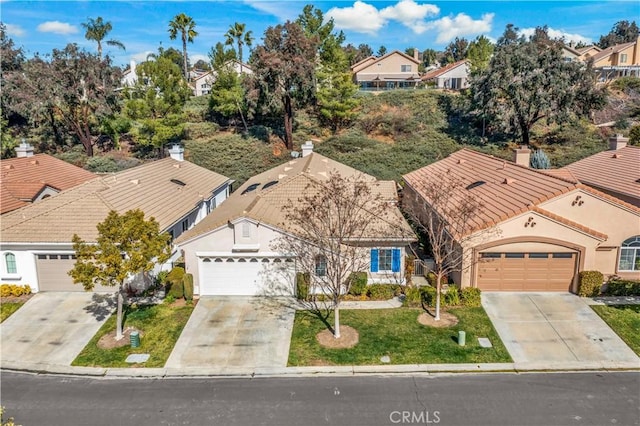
pixel 415 387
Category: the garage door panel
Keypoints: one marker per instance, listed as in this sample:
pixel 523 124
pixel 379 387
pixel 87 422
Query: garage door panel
pixel 53 274
pixel 246 277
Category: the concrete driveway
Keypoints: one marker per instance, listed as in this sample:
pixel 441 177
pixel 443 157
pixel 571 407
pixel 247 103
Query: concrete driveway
pixel 52 328
pixel 232 331
pixel 553 327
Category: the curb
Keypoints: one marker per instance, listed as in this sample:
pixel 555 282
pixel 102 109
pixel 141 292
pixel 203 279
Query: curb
pixel 323 371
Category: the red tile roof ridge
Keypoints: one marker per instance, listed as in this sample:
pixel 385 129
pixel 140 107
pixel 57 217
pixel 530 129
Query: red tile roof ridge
pixel 568 222
pixel 608 197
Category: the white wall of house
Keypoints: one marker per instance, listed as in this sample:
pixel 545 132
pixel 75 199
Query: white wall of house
pixel 25 255
pixel 203 84
pixel 457 78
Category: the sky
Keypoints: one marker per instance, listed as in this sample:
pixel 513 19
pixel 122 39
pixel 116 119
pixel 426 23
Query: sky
pixel 142 26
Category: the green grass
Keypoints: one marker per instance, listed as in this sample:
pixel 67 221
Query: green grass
pixel 7 308
pixel 161 326
pixel 624 320
pixel 396 333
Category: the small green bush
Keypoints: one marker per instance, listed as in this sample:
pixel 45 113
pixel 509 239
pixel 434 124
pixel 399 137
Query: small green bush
pixel 358 283
pixel 161 278
pixel 590 283
pixel 617 286
pixel 303 280
pixel 383 291
pixel 428 296
pixel 176 286
pixel 431 279
pixel 452 296
pixel 187 283
pixel 412 296
pixel 471 297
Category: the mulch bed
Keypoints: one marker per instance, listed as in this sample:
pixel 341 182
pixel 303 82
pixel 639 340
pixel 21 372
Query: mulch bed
pixel 16 299
pixel 109 341
pixel 446 319
pixel 349 337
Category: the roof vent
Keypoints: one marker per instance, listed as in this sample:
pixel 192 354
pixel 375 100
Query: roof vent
pixel 178 182
pixel 135 181
pixel 462 161
pixel 616 155
pixel 250 188
pixel 476 184
pixel 34 162
pixel 508 181
pixel 9 167
pixel 269 184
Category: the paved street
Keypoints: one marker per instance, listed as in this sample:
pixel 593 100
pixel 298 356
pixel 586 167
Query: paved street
pixel 506 399
pixel 553 327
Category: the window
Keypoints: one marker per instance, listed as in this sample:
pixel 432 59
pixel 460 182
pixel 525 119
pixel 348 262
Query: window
pixel 385 260
pixel 246 230
pixel 538 255
pixel 562 255
pixel 490 255
pixel 10 262
pixel 514 255
pixel 623 58
pixel 405 68
pixel 185 225
pixel 629 255
pixel 321 266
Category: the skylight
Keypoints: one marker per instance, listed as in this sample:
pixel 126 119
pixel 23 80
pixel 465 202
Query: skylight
pixel 178 182
pixel 250 188
pixel 476 184
pixel 269 184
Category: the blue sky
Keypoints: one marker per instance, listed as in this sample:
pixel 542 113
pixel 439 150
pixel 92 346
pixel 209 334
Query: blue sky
pixel 40 26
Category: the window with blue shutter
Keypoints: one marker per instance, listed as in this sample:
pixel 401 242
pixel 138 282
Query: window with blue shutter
pixel 395 260
pixel 374 260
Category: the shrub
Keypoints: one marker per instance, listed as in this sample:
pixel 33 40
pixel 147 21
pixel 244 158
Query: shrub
pixel 303 280
pixel 175 275
pixel 5 290
pixel 452 296
pixel 431 279
pixel 187 283
pixel 101 164
pixel 539 160
pixel 383 291
pixel 428 296
pixel 590 283
pixel 15 290
pixel 412 296
pixel 175 280
pixel 617 286
pixel 358 283
pixel 161 278
pixel 470 297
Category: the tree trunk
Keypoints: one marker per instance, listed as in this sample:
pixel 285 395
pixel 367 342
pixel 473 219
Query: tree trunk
pixel 119 314
pixel 99 50
pixel 184 57
pixel 288 123
pixel 336 327
pixel 244 122
pixel 438 290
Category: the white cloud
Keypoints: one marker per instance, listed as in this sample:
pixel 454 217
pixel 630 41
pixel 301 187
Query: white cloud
pixel 280 9
pixel 57 27
pixel 558 34
pixel 140 57
pixel 461 25
pixel 361 18
pixel 14 30
pixel 410 14
pixel 196 57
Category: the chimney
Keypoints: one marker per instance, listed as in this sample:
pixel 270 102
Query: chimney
pixel 24 150
pixel 415 53
pixel 522 156
pixel 616 142
pixel 307 148
pixel 177 152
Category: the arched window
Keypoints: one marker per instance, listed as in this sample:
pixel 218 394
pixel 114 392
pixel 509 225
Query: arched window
pixel 321 266
pixel 10 262
pixel 630 255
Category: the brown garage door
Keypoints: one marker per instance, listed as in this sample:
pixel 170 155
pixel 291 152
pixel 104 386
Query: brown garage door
pixel 52 273
pixel 526 271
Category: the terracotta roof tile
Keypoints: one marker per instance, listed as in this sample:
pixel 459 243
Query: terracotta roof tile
pixel 438 72
pixel 148 187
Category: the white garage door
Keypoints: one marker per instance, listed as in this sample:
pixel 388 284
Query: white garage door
pixel 246 276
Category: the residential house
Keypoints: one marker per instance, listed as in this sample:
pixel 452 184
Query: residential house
pixel 569 54
pixel 234 250
pixel 453 76
pixel 35 241
pixel 621 60
pixel 129 76
pixel 615 172
pixel 395 70
pixel 202 83
pixel 587 52
pixel 545 228
pixel 30 178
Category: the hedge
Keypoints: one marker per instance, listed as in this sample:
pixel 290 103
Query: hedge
pixel 590 283
pixel 617 286
pixel 358 283
pixel 426 295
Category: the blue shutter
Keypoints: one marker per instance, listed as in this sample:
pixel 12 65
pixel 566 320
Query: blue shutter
pixel 395 260
pixel 374 260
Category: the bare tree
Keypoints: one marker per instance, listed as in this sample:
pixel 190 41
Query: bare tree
pixel 330 227
pixel 449 215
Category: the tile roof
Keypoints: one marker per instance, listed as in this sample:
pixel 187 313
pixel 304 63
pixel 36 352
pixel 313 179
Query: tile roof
pixel 283 185
pixel 22 179
pixel 438 72
pixel 507 189
pixel 613 170
pixel 611 50
pixel 155 188
pixel 357 67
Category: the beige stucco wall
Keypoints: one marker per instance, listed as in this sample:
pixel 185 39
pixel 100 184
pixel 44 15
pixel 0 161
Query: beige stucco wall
pixel 633 58
pixel 389 65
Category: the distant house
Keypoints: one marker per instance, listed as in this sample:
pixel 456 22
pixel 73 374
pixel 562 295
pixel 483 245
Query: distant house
pixel 129 76
pixel 231 252
pixel 395 70
pixel 202 83
pixel 30 178
pixel 621 60
pixel 452 76
pixel 587 52
pixel 569 54
pixel 35 241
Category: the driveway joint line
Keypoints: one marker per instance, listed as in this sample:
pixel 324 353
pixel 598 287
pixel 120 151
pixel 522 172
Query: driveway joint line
pixel 554 329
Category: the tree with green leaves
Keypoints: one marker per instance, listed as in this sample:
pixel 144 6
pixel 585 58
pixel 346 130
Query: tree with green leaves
pixel 185 26
pixel 456 50
pixel 336 97
pixel 622 32
pixel 283 78
pixel 479 54
pixel 220 57
pixel 96 30
pixel 126 245
pixel 528 82
pixel 228 95
pixel 330 51
pixel 539 160
pixel 382 50
pixel 238 34
pixel 429 57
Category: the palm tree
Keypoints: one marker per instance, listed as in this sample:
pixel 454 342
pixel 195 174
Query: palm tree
pixel 97 30
pixel 185 25
pixel 237 34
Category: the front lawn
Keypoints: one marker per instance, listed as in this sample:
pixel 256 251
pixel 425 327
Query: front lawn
pixel 7 308
pixel 397 333
pixel 624 320
pixel 160 327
